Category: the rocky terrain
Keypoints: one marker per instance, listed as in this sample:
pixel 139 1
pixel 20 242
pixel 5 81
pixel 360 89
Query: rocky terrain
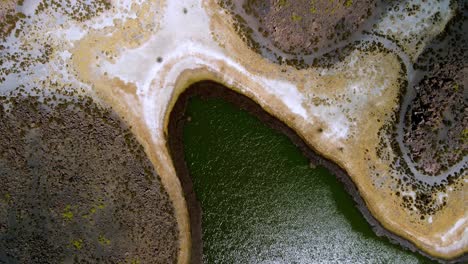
pixel 76 186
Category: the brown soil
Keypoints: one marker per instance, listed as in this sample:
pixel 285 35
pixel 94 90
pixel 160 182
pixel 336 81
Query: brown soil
pixel 76 186
pixel 209 89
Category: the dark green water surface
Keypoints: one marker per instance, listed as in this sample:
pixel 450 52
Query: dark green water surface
pixel 263 203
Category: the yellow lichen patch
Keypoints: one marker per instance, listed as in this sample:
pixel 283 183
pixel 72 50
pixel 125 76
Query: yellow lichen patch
pixel 103 240
pixel 465 135
pixel 77 244
pixel 134 261
pixel 94 210
pixel 296 18
pixel 282 3
pixel 7 197
pixel 67 214
pixel 348 3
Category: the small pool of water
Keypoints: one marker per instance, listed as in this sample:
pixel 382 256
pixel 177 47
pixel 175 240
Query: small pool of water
pixel 263 202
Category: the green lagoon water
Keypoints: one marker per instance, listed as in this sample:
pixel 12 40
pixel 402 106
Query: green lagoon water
pixel 263 203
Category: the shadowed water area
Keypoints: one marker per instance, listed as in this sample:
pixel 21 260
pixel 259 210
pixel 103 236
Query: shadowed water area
pixel 263 202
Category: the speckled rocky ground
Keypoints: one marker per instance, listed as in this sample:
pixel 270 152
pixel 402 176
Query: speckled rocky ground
pixel 76 186
pixel 299 28
pixel 437 136
pixel 302 27
pixel 437 132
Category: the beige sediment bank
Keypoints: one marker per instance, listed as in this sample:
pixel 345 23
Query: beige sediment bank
pixel 139 57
